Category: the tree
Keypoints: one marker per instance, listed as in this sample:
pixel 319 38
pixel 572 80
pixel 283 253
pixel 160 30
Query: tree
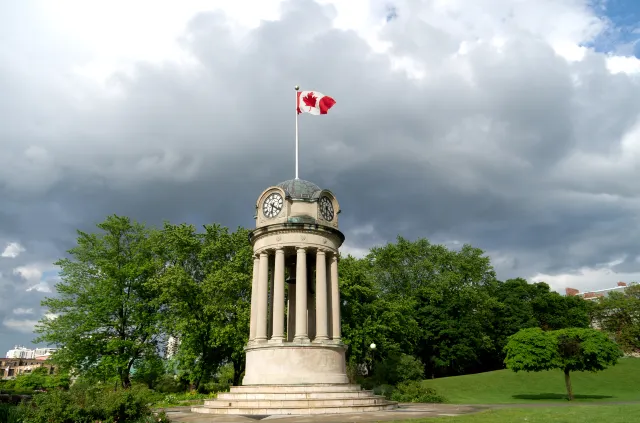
pixel 369 318
pixel 106 319
pixel 524 305
pixel 570 350
pixel 204 288
pixel 450 292
pixel 619 315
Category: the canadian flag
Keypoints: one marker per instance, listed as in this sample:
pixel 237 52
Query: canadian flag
pixel 314 102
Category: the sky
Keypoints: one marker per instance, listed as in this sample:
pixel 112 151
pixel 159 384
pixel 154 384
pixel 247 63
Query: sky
pixel 512 125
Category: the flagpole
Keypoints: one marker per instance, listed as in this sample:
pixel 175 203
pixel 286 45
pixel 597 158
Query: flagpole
pixel 297 88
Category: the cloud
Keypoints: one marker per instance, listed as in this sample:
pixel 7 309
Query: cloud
pixel 12 250
pixel 31 273
pixel 491 122
pixel 20 311
pixel 22 326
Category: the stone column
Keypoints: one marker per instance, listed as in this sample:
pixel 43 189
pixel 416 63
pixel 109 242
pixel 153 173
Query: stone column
pixel 291 313
pixel 329 300
pixel 263 281
pixel 322 333
pixel 278 297
pixel 270 296
pixel 301 296
pixel 254 299
pixel 335 299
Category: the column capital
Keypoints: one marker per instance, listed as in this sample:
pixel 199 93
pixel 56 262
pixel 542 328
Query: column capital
pixel 301 249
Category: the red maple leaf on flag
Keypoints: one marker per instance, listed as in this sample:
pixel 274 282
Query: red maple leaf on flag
pixel 310 100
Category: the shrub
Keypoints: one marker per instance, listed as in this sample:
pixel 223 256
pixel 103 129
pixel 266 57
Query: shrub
pixel 384 390
pixel 213 387
pixel 398 368
pixel 168 385
pixel 415 391
pixel 9 414
pixel 84 405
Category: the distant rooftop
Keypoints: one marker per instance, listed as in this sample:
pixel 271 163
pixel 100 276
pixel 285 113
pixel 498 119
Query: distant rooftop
pixel 594 294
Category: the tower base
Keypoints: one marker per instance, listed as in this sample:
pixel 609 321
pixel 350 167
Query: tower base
pixel 267 400
pixel 295 363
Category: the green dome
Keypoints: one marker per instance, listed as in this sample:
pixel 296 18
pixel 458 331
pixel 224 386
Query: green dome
pixel 300 189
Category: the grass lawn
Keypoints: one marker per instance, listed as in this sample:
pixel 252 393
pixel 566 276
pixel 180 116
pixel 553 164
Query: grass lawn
pixel 575 414
pixel 618 383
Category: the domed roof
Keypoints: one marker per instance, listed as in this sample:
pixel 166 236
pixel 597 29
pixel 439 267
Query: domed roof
pixel 300 189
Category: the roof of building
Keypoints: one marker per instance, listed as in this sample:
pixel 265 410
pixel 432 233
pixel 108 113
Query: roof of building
pixel 300 189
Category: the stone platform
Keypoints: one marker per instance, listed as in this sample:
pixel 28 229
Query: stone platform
pixel 295 400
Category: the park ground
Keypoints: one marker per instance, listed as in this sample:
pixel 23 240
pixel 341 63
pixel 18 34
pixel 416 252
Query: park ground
pixel 611 396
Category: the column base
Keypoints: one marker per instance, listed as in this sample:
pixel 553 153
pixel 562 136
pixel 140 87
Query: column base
pixel 294 363
pixel 277 340
pixel 302 339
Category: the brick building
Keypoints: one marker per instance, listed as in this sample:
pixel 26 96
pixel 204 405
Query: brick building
pixel 12 367
pixel 593 295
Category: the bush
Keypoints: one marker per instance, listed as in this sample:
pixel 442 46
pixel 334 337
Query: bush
pixel 415 391
pixel 169 385
pixel 384 390
pixel 9 414
pixel 213 387
pixel 398 368
pixel 84 405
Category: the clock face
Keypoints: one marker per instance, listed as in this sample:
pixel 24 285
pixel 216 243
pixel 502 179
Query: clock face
pixel 272 205
pixel 326 209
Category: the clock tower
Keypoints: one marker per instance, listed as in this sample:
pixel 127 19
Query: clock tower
pixel 294 335
pixel 295 357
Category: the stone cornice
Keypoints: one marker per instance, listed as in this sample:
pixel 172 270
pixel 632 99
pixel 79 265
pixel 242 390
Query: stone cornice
pixel 282 228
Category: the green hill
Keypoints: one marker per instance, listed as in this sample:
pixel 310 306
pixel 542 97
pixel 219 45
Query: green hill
pixel 618 383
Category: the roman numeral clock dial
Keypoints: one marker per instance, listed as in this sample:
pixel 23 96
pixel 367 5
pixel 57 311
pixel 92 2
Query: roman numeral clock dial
pixel 326 209
pixel 272 205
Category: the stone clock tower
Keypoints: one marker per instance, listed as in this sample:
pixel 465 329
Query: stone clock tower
pixel 296 234
pixel 295 361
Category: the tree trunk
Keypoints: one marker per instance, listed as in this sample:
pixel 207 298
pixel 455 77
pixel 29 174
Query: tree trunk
pixel 238 368
pixel 567 382
pixel 126 381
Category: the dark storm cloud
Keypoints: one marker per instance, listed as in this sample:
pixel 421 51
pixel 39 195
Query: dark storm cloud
pixel 487 148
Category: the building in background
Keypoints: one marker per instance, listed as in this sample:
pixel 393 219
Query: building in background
pixel 12 367
pixel 172 346
pixel 20 351
pixel 593 295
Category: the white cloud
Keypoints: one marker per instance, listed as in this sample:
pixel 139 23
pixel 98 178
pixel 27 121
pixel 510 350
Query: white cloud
pixel 24 326
pixel 41 286
pixel 12 250
pixel 20 311
pixel 31 273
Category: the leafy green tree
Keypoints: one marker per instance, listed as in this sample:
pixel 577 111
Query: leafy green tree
pixel 524 305
pixel 450 295
pixel 204 290
pixel 41 379
pixel 570 350
pixel 369 318
pixel 619 315
pixel 106 319
pixel 148 370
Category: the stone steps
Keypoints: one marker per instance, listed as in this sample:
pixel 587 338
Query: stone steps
pixel 251 410
pixel 295 400
pixel 288 403
pixel 235 396
pixel 328 387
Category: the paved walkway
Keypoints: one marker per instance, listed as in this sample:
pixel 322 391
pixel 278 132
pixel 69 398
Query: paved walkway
pixel 405 411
